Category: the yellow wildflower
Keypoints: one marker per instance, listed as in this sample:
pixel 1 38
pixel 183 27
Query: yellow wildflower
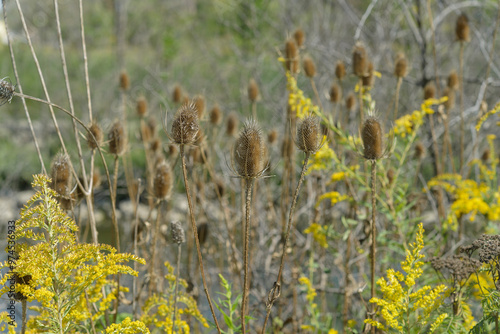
pixel 310 291
pixel 322 159
pixel 488 114
pixel 319 233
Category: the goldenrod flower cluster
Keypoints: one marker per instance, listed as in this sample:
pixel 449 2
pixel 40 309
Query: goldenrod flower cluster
pixel 408 124
pixel 487 115
pixel 299 104
pixel 322 159
pixel 402 306
pixel 319 233
pixel 127 326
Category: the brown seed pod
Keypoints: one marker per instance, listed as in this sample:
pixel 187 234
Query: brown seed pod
pixel 485 157
pixel 450 94
pixel 6 91
pixel 177 94
pixel 429 91
pixel 124 80
pixel 96 131
pixel 453 80
pixel 177 232
pixel 272 137
pixel 359 60
pixel 390 176
pixel 292 56
pixel 117 139
pixel 371 134
pixel 419 151
pixel 462 28
pixel 401 66
pixel 249 151
pixel 172 150
pixel 232 125
pixel 162 183
pixel 299 37
pixel 185 125
pixel 253 90
pixel 335 93
pixel 202 233
pixel 155 145
pixel 215 115
pixel 340 70
pixel 368 79
pixel 199 102
pixel 142 106
pixel 308 137
pixel 309 67
pixel 350 102
pixel 60 170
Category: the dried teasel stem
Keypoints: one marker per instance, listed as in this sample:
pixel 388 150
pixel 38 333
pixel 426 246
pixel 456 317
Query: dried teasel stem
pixel 373 248
pixel 178 238
pixel 249 186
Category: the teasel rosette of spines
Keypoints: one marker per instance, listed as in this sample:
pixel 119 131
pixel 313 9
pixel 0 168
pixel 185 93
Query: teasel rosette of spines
pixel 183 132
pixel 462 33
pixel 372 136
pixel 400 71
pixel 308 140
pixel 249 163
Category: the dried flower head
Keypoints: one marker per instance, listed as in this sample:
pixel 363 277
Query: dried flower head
pixel 429 91
pixel 185 125
pixel 163 182
pixel 117 139
pixel 335 93
pixel 462 28
pixel 253 90
pixel 308 138
pixel 292 56
pixel 232 125
pixel 199 102
pixel 368 78
pixel 60 173
pixel 485 157
pixel 450 102
pixel 6 91
pixel 24 280
pixel 172 150
pixel 124 80
pixel 155 145
pixel 419 151
pixel 299 37
pixel 202 233
pixel 458 267
pixel 249 152
pixel 372 134
pixel 340 70
pixel 142 106
pixel 401 66
pixel 177 94
pixel 272 137
pixel 96 131
pixel 453 80
pixel 215 115
pixel 359 60
pixel 350 102
pixel 309 67
pixel 177 232
pixel 390 176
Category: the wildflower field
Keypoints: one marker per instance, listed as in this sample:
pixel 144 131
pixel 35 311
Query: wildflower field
pixel 216 166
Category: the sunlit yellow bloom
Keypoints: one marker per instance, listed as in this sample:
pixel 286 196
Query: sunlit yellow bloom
pixel 488 114
pixel 319 233
pixel 310 291
pixel 322 159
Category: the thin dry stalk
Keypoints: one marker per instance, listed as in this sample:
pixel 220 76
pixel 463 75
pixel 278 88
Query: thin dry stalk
pixel 248 202
pixel 462 116
pixel 152 267
pixel 276 290
pixel 23 319
pixel 396 103
pixel 374 236
pixel 136 232
pixel 176 286
pixel 195 234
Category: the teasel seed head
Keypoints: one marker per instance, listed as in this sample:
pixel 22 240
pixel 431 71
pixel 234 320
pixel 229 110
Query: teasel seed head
pixel 25 280
pixel 249 152
pixel 177 94
pixel 340 70
pixel 146 135
pixel 390 176
pixel 142 106
pixel 309 67
pixel 253 90
pixel 272 137
pixel 429 91
pixel 368 78
pixel 60 173
pixel 450 94
pixel 96 131
pixel 299 37
pixel 359 60
pixel 117 139
pixel 485 157
pixel 155 145
pixel 372 134
pixel 350 102
pixel 453 80
pixel 308 137
pixel 172 150
pixel 6 91
pixel 335 93
pixel 215 115
pixel 177 231
pixel 124 80
pixel 162 183
pixel 185 126
pixel 401 66
pixel 292 56
pixel 419 151
pixel 232 125
pixel 199 102
pixel 202 233
pixel 462 28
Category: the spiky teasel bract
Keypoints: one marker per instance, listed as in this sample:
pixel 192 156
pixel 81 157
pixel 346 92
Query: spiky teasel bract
pixel 117 139
pixel 253 90
pixel 462 28
pixel 185 126
pixel 249 152
pixel 308 137
pixel 7 90
pixel 94 139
